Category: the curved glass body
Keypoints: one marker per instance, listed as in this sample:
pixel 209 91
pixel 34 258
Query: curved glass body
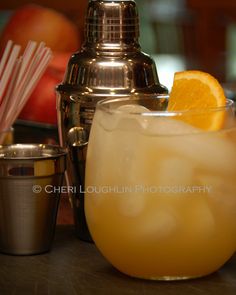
pixel 160 193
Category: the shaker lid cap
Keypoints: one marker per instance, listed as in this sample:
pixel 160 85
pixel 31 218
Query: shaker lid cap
pixel 112 18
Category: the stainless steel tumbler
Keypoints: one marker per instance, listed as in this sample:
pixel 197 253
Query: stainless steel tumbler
pixel 110 63
pixel 31 177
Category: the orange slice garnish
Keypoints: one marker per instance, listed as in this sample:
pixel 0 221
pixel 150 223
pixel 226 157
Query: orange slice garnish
pixel 200 92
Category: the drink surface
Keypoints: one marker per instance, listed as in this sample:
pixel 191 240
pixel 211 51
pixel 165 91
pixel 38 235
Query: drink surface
pixel 160 195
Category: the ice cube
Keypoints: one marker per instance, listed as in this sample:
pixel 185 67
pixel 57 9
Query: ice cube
pixel 131 204
pixel 159 223
pixel 200 219
pixel 209 149
pixel 130 119
pixel 126 118
pixel 221 191
pixel 168 126
pixel 107 120
pixel 174 171
pixel 133 109
pixel 114 146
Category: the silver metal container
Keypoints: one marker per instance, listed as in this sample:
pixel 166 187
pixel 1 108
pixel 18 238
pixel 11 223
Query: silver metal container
pixel 110 63
pixel 30 180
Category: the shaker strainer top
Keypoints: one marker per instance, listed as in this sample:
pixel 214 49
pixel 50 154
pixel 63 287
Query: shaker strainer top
pixel 112 21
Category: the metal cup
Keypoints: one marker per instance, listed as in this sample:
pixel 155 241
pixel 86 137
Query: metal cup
pixel 30 181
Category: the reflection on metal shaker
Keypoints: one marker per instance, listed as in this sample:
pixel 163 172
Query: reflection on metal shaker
pixel 109 64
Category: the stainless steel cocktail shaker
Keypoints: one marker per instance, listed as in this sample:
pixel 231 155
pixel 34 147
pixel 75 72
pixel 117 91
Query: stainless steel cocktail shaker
pixel 110 63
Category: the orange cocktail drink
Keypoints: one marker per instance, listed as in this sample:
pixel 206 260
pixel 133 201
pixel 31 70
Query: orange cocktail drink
pixel 160 192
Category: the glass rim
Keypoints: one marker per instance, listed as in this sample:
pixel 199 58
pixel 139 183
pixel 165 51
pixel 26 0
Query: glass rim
pixel 18 151
pixel 103 105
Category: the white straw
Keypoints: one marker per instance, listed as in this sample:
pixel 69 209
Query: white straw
pixel 27 56
pixel 5 56
pixel 38 74
pixel 19 78
pixel 8 70
pixel 7 102
pixel 27 91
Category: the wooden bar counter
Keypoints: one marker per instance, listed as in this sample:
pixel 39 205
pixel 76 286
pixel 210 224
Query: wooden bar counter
pixel 75 267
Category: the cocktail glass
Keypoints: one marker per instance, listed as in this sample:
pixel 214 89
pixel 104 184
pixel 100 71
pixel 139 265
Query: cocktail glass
pixel 160 193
